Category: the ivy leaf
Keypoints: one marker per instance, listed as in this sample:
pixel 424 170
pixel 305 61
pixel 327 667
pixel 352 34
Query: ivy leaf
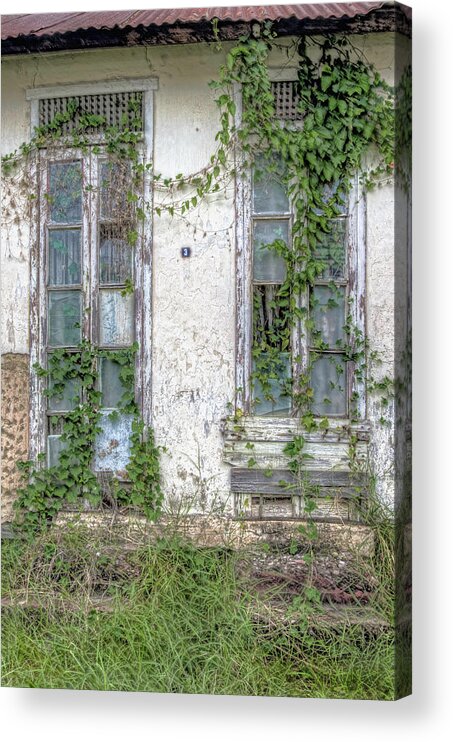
pixel 328 172
pixel 326 81
pixel 231 107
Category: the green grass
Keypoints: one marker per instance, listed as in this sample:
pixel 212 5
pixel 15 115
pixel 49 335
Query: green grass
pixel 181 621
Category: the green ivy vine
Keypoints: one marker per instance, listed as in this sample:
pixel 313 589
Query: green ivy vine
pixel 72 480
pixel 345 107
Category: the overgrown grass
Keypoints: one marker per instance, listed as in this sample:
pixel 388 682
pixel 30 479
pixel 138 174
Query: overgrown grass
pixel 180 620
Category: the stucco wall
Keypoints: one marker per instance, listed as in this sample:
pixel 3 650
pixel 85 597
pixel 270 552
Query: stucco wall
pixel 193 299
pixel 14 416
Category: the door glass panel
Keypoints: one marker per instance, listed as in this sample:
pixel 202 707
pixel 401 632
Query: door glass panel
pixel 269 389
pixel 115 256
pixel 267 264
pixel 116 314
pixel 113 444
pixel 269 194
pixel 332 250
pixel 328 312
pixel 115 182
pixel 55 445
pixel 270 317
pixel 65 192
pixel 111 386
pixel 67 399
pixel 328 381
pixel 337 192
pixel 65 314
pixel 64 257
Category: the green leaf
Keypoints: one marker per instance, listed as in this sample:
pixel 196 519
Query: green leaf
pixel 326 82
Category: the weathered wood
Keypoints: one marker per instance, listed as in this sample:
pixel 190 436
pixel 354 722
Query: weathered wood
pixel 90 231
pixel 357 284
pixel 271 455
pixel 38 312
pixel 284 482
pixel 146 269
pixel 243 259
pixel 287 507
pixel 328 617
pixel 253 428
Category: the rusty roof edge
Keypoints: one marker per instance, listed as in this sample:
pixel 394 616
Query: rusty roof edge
pixel 355 11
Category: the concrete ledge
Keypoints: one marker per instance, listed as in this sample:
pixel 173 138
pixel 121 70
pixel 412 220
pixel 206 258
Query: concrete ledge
pixel 211 531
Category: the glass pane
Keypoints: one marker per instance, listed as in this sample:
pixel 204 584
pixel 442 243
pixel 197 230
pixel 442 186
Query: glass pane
pixel 328 380
pixel 64 257
pixel 269 193
pixel 270 317
pixel 67 399
pixel 111 385
pixel 332 250
pixel 268 390
pixel 65 315
pixel 55 445
pixel 336 197
pixel 115 256
pixel 267 264
pixel 65 192
pixel 115 183
pixel 113 445
pixel 328 313
pixel 55 424
pixel 116 314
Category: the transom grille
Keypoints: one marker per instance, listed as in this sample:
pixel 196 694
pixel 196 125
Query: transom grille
pixel 120 110
pixel 334 507
pixel 287 99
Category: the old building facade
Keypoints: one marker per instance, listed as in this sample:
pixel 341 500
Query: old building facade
pixel 194 275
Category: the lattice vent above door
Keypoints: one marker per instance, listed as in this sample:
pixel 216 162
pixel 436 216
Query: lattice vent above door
pixel 287 99
pixel 121 110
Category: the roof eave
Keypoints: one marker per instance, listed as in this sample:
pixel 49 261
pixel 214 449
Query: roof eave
pixel 384 19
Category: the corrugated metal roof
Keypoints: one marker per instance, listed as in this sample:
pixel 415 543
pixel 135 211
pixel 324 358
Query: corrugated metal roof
pixel 48 24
